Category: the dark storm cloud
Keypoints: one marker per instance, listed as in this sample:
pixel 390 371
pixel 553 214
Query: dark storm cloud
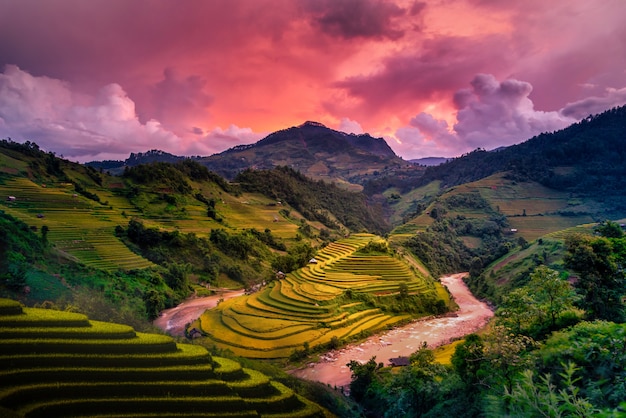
pixel 356 18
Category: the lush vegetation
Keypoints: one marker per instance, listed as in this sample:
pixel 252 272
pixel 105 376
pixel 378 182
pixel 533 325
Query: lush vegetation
pixel 592 149
pixel 549 352
pixel 444 246
pixel 318 200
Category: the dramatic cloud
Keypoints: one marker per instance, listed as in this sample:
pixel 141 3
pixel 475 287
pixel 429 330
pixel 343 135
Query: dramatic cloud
pixel 75 126
pixel 489 114
pixel 356 18
pixel 432 73
pixel 595 104
pixel 426 135
pixel 117 75
pixel 492 114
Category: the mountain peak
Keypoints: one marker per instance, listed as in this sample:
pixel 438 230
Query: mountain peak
pixel 312 123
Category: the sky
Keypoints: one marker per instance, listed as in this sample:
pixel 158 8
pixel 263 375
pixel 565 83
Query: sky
pixel 99 79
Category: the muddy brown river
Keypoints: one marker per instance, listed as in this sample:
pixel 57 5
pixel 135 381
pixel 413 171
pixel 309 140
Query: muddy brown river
pixel 332 368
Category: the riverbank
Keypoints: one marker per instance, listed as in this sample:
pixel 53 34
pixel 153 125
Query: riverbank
pixel 174 320
pixel 471 316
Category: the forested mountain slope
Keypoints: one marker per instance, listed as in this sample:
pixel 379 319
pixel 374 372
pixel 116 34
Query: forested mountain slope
pixel 588 157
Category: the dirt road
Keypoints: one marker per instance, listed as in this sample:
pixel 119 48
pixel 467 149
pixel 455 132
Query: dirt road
pixel 173 320
pixel 403 341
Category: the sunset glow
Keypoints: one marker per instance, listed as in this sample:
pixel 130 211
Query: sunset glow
pixel 100 79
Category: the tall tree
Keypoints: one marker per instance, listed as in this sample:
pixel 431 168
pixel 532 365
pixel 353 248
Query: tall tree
pixel 601 282
pixel 552 294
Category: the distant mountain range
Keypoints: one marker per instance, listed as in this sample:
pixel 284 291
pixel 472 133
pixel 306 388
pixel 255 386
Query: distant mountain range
pixel 311 148
pixel 430 161
pixel 588 157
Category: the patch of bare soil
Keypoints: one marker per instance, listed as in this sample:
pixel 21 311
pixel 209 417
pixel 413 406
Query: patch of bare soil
pixel 471 316
pixel 174 320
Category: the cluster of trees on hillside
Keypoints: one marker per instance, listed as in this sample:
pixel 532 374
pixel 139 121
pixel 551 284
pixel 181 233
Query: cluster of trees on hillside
pixel 315 200
pixel 441 247
pixel 173 175
pixel 237 255
pixel 26 256
pixel 556 348
pixel 20 247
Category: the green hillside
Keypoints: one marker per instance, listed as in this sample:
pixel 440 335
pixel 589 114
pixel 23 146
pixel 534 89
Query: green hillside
pixel 62 364
pixel 159 232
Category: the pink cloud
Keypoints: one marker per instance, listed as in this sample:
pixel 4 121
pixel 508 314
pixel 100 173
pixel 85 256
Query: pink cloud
pixel 183 72
pixel 490 114
pixel 494 113
pixel 350 19
pixel 432 72
pixel 46 111
pixel 350 126
pixel 595 104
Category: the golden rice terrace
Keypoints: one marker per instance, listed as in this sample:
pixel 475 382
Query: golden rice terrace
pixel 56 364
pixel 343 294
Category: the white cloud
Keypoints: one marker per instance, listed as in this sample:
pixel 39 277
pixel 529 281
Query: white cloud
pixel 494 113
pixel 595 104
pixel 350 126
pixel 220 139
pixel 46 111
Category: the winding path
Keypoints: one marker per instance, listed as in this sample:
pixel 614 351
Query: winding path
pixel 403 341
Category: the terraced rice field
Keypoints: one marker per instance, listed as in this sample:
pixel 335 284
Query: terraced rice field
pixel 78 227
pixel 310 305
pixel 62 364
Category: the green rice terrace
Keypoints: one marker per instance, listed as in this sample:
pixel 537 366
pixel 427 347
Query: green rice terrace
pixel 84 229
pixel 344 293
pixel 78 227
pixel 55 363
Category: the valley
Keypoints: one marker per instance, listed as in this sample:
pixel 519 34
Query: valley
pixel 325 264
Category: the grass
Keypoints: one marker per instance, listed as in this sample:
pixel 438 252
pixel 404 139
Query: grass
pixel 443 354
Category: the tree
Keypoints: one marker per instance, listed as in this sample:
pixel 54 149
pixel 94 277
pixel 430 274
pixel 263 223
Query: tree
pixel 504 356
pixel 609 229
pixel 176 277
pixel 44 233
pixel 552 295
pixel 403 290
pixel 599 349
pixel 517 311
pixel 530 397
pixel 155 303
pixel 14 272
pixel 467 359
pixel 362 376
pixel 601 282
pixel 415 389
